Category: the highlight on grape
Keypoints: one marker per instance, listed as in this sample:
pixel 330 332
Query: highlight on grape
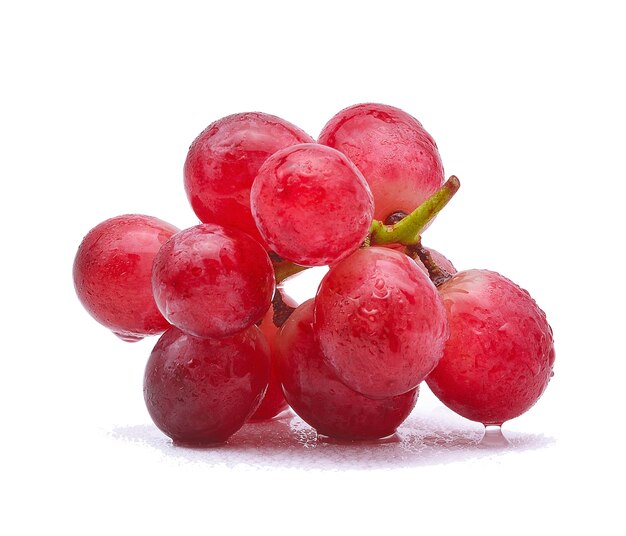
pixel 390 313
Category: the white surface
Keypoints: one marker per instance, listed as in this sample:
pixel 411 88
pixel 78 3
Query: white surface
pixel 98 106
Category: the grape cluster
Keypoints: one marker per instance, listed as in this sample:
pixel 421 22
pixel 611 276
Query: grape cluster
pixel 389 314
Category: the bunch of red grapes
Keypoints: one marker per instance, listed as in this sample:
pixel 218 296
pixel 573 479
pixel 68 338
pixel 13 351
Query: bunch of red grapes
pixel 389 314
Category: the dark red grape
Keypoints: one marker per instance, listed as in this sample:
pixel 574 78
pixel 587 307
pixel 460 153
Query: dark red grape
pixel 224 160
pixel 112 274
pixel 201 391
pixel 311 204
pixel 380 321
pixel 397 157
pixel 319 398
pixel 273 402
pixel 500 354
pixel 211 281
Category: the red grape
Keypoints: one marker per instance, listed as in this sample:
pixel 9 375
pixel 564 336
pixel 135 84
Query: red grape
pixel 311 204
pixel 380 321
pixel 397 157
pixel 500 354
pixel 319 398
pixel 211 281
pixel 112 274
pixel 223 161
pixel 273 402
pixel 201 391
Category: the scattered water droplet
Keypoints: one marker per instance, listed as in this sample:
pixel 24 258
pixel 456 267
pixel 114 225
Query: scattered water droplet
pixel 127 337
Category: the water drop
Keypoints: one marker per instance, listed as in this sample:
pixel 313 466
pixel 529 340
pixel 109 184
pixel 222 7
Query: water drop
pixel 128 337
pixel 368 313
pixel 494 438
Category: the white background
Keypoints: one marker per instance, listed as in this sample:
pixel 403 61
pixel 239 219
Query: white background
pixel 99 103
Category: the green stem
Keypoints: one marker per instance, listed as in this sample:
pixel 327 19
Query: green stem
pixel 284 269
pixel 407 230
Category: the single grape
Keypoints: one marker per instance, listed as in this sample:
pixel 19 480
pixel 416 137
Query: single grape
pixel 319 398
pixel 201 391
pixel 311 204
pixel 397 157
pixel 112 274
pixel 211 281
pixel 274 401
pixel 223 161
pixel 500 354
pixel 380 322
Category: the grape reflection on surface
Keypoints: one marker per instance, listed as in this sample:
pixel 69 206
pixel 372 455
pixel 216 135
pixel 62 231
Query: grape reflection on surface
pixel 288 442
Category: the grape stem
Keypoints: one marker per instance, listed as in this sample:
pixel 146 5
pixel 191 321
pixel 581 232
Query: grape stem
pixel 437 274
pixel 284 269
pixel 282 311
pixel 407 230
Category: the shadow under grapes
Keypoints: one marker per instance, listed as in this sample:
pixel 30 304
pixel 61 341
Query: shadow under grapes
pixel 288 442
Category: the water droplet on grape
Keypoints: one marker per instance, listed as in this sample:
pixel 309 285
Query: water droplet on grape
pixel 127 337
pixel 493 437
pixel 380 290
pixel 367 313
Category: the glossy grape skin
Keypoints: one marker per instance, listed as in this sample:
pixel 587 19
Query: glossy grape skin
pixel 320 399
pixel 499 358
pixel 225 158
pixel 201 391
pixel 112 271
pixel 311 204
pixel 397 157
pixel 211 281
pixel 274 401
pixel 380 322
